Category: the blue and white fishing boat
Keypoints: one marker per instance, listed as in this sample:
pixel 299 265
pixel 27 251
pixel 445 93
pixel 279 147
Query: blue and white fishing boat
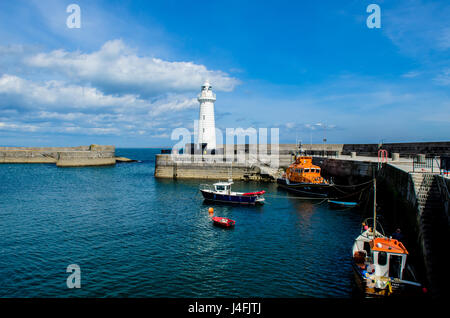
pixel 221 192
pixel 342 204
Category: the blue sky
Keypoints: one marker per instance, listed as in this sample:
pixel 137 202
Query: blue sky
pixel 131 73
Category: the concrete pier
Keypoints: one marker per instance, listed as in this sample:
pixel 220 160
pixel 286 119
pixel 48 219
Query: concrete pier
pixel 201 167
pixel 211 166
pixel 82 156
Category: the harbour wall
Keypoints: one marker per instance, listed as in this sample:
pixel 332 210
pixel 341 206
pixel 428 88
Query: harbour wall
pixel 213 164
pixel 81 156
pixel 405 149
pixel 202 168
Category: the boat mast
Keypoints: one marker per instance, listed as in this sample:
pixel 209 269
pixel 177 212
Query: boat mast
pixel 374 207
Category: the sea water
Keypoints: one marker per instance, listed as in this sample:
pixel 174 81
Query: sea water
pixel 133 235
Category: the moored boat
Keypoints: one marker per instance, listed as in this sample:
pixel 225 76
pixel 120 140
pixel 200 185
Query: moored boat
pixel 221 192
pixel 223 222
pixel 342 204
pixel 380 263
pixel 304 178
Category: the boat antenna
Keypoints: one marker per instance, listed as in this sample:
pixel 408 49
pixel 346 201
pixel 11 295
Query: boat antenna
pixel 230 173
pixel 374 207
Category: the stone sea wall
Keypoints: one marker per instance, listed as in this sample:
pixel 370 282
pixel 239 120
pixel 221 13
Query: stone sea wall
pixel 165 167
pixel 93 155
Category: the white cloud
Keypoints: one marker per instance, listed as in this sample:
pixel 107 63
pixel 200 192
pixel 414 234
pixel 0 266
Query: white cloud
pixel 418 27
pixel 59 107
pixel 58 94
pixel 18 127
pixel 109 91
pixel 117 68
pixel 411 74
pixel 174 105
pixel 443 78
pixel 444 39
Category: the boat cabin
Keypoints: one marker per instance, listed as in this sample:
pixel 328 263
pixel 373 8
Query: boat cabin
pixel 223 187
pixel 389 257
pixel 303 170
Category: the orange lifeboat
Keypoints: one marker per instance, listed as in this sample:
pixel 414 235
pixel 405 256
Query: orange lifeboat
pixel 303 170
pixel 304 178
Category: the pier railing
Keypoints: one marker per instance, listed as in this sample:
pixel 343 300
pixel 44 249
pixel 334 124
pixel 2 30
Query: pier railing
pixel 445 166
pixel 421 163
pixel 322 153
pixel 206 187
pixel 245 159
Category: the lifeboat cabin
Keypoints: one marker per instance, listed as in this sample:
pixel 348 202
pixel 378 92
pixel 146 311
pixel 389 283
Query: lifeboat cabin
pixel 305 178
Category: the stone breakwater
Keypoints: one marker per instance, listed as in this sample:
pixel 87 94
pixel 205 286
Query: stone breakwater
pixel 166 167
pixel 81 156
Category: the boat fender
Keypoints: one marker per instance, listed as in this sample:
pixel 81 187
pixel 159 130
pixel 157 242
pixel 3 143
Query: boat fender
pixel 390 287
pixel 370 268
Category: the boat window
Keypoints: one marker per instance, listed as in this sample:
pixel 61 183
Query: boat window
pixel 382 258
pixel 367 247
pixel 306 170
pixel 395 266
pixel 220 188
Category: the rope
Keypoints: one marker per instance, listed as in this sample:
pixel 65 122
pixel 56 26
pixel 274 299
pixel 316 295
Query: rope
pixel 351 186
pixel 291 197
pixel 349 195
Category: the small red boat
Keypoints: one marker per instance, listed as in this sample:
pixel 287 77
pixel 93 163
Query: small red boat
pixel 224 222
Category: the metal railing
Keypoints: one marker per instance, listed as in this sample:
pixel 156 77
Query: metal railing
pixel 445 166
pixel 322 153
pixel 422 163
pixel 445 195
pixel 207 187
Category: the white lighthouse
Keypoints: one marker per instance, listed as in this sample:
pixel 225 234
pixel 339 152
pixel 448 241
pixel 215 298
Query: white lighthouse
pixel 206 124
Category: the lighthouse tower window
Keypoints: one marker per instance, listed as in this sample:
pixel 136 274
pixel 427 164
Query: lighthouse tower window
pixel 203 117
